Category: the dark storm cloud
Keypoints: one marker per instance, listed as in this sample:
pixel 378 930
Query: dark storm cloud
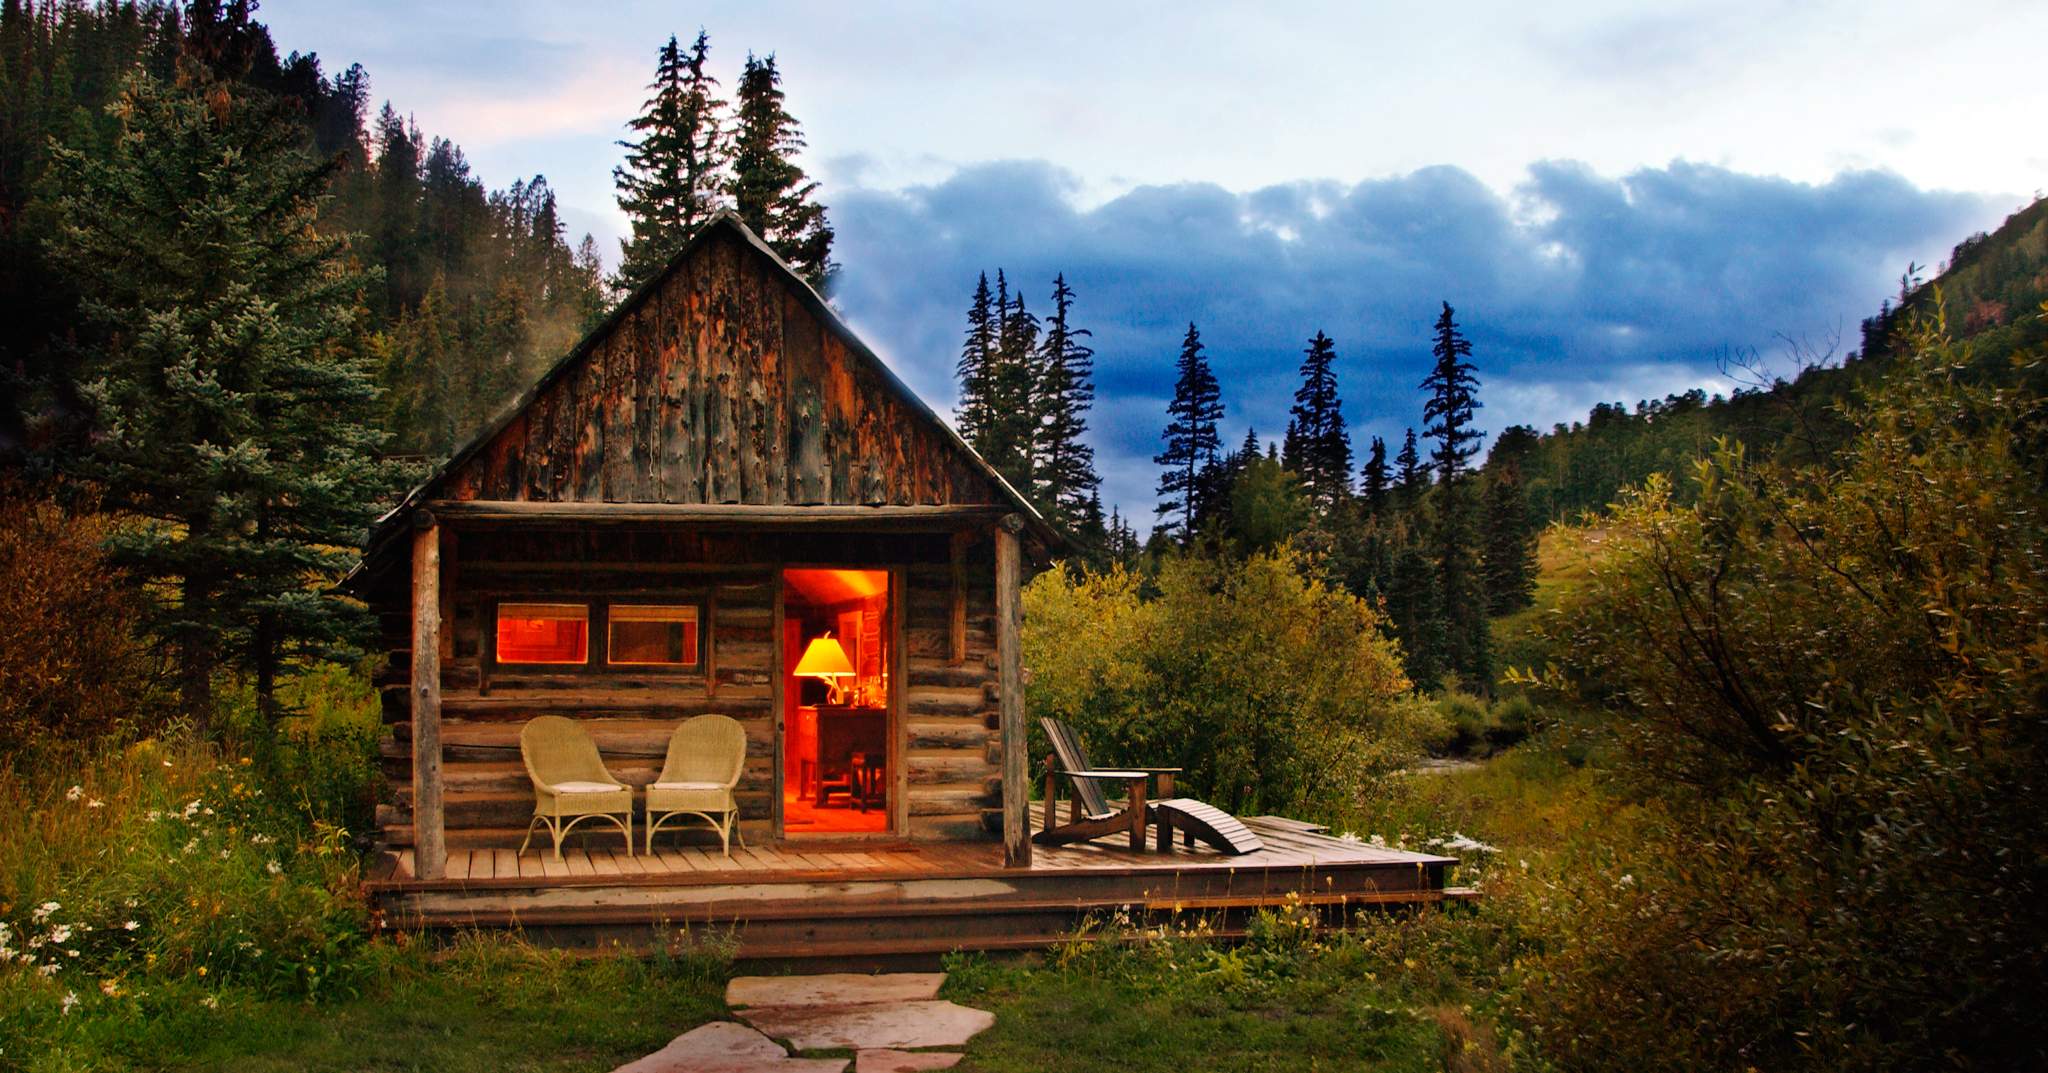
pixel 1577 288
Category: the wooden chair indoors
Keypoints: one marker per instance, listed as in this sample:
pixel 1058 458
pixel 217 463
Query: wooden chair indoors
pixel 1092 816
pixel 570 781
pixel 705 757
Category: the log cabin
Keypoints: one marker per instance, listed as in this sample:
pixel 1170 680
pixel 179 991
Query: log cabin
pixel 722 502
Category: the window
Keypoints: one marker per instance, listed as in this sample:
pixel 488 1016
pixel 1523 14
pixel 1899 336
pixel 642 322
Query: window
pixel 652 635
pixel 543 633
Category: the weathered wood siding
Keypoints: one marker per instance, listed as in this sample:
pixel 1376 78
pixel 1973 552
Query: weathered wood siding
pixel 952 753
pixel 723 386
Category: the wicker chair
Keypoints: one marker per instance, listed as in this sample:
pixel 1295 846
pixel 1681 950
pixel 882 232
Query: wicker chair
pixel 570 782
pixel 705 755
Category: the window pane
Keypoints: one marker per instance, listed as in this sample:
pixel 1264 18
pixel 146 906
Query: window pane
pixel 652 634
pixel 543 633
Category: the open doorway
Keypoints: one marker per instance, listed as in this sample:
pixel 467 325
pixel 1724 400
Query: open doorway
pixel 836 660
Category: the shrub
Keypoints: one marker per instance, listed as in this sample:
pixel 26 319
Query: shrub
pixel 1833 679
pixel 1272 689
pixel 72 666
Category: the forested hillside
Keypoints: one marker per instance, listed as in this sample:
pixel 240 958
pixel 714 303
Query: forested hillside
pixel 1990 293
pixel 479 288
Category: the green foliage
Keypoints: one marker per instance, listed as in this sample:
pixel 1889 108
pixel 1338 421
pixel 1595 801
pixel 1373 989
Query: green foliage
pixel 1191 442
pixel 1832 678
pixel 769 190
pixel 674 176
pixel 232 406
pixel 1316 447
pixel 1272 689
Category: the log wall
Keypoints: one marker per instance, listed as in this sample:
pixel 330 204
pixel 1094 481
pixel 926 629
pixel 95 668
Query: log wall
pixel 952 751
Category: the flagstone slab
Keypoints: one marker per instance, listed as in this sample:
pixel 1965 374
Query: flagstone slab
pixel 726 1047
pixel 833 989
pixel 886 1061
pixel 871 1026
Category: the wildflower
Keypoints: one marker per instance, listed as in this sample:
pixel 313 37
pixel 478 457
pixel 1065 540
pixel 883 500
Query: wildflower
pixel 192 808
pixel 47 970
pixel 189 847
pixel 211 1002
pixel 70 1000
pixel 1627 880
pixel 74 793
pixel 60 934
pixel 273 867
pixel 202 970
pixel 153 815
pixel 260 839
pixel 131 901
pixel 43 911
pixel 1380 841
pixel 95 803
pixel 110 987
pixel 223 854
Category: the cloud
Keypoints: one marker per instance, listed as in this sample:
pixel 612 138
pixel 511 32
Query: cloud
pixel 1575 287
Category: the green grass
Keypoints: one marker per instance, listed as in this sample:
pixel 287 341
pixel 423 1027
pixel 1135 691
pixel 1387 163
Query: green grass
pixel 1565 557
pixel 490 1004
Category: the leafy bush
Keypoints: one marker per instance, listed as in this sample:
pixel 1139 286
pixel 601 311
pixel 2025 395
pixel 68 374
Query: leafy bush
pixel 72 666
pixel 1833 681
pixel 1272 689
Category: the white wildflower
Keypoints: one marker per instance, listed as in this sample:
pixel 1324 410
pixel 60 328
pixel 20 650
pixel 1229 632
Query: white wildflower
pixel 60 934
pixel 211 1002
pixel 223 854
pixel 192 808
pixel 273 867
pixel 70 953
pixel 260 839
pixel 95 803
pixel 1627 880
pixel 189 847
pixel 43 911
pixel 1380 841
pixel 70 1000
pixel 110 987
pixel 131 925
pixel 1464 843
pixel 153 815
pixel 47 970
pixel 74 793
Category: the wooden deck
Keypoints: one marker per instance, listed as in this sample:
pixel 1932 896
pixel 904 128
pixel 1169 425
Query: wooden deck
pixel 856 901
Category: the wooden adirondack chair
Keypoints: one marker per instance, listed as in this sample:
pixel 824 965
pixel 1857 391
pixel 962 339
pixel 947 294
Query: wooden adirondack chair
pixel 1093 817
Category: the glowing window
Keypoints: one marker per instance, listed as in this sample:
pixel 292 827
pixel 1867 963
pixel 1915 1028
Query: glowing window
pixel 656 635
pixel 543 633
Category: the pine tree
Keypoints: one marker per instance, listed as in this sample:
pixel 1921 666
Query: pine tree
pixel 1412 479
pixel 1376 478
pixel 232 395
pixel 771 193
pixel 1415 607
pixel 1190 440
pixel 976 368
pixel 1453 396
pixel 1066 481
pixel 1317 447
pixel 674 177
pixel 1454 533
pixel 1509 562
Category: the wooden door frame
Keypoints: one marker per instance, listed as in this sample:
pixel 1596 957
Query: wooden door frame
pixel 897 593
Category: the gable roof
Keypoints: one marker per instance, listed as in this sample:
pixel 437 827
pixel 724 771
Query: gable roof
pixel 725 223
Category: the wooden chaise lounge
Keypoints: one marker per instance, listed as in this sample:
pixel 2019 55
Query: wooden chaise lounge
pixel 1092 816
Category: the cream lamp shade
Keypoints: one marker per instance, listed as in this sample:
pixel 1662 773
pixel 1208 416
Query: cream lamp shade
pixel 824 659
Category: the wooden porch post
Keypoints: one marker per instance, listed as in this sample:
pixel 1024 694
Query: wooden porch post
pixel 1010 696
pixel 429 838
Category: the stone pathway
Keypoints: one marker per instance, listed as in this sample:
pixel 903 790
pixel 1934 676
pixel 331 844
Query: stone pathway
pixel 884 1019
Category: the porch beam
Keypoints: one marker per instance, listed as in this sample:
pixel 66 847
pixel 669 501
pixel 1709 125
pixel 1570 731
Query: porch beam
pixel 430 845
pixel 750 515
pixel 1010 694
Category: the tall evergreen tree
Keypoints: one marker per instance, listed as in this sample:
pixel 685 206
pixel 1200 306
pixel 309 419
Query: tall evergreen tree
pixel 1454 532
pixel 1317 447
pixel 1453 391
pixel 976 369
pixel 1190 440
pixel 1411 478
pixel 674 177
pixel 771 193
pixel 231 395
pixel 1015 405
pixel 1415 607
pixel 1508 563
pixel 1066 481
pixel 1376 482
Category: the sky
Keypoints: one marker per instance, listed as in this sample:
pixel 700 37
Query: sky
pixel 1614 197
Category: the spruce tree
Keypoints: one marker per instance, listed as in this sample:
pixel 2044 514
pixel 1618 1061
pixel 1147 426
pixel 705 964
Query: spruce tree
pixel 1412 479
pixel 1317 447
pixel 975 369
pixel 1066 480
pixel 1014 404
pixel 771 193
pixel 674 177
pixel 1191 445
pixel 1509 558
pixel 231 392
pixel 1415 607
pixel 1376 478
pixel 1454 532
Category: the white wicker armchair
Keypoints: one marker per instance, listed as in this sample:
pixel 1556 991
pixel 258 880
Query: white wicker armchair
pixel 705 756
pixel 570 781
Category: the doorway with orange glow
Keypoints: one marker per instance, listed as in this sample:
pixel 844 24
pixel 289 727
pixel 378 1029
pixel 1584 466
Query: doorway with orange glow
pixel 836 777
